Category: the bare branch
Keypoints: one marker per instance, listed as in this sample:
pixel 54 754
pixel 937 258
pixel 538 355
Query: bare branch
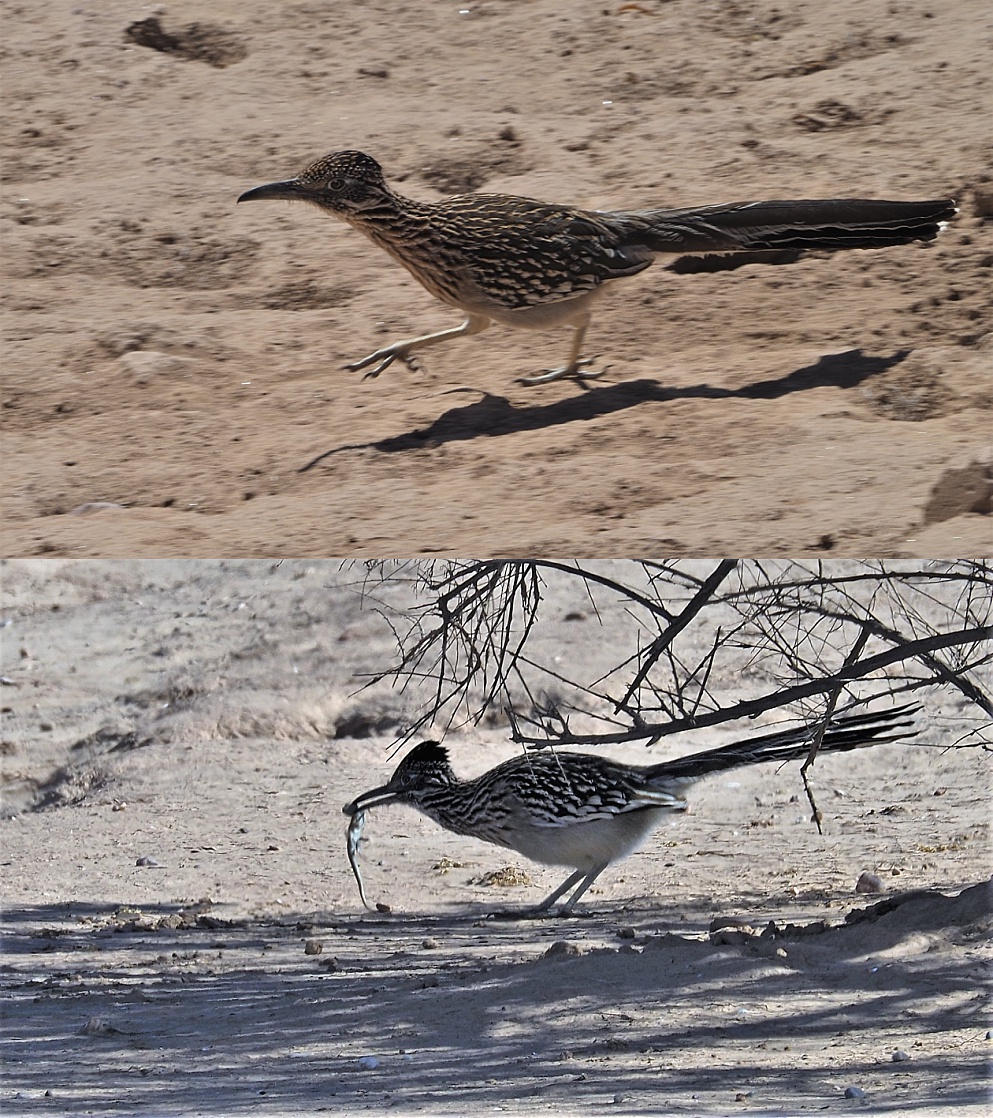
pixel 690 644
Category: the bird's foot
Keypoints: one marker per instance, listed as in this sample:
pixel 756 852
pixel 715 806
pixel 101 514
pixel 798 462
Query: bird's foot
pixel 520 914
pixel 538 912
pixel 578 370
pixel 385 358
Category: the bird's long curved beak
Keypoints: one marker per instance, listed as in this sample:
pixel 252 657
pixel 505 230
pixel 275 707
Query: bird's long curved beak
pixel 376 797
pixel 290 190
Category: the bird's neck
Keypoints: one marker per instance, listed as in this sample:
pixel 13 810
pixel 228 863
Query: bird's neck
pixel 451 806
pixel 391 217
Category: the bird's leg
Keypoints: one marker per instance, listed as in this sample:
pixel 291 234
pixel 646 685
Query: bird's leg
pixel 541 910
pixel 582 879
pixel 574 366
pixel 572 879
pixel 386 356
pixel 583 886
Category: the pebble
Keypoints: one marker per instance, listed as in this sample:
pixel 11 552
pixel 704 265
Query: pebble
pixel 368 1063
pixel 146 861
pixel 730 937
pixel 97 1026
pixel 869 883
pixel 313 947
pixel 854 1093
pixel 899 1055
pixel 738 923
pixel 94 506
pixel 562 948
pixel 145 366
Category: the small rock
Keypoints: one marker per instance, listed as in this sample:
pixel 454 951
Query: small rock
pixel 738 922
pixel 313 947
pixel 94 506
pixel 899 1056
pixel 561 949
pixel 625 933
pixel 380 907
pixel 144 860
pixel 368 1063
pixel 730 937
pixel 854 1093
pixel 960 491
pixel 148 365
pixel 869 883
pixel 97 1026
pixel 429 944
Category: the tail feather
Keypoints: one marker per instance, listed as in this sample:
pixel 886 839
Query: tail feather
pixel 853 732
pixel 831 224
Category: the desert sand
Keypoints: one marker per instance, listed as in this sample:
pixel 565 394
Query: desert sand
pixel 173 362
pixel 183 935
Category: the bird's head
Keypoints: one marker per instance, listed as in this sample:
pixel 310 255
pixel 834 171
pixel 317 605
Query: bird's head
pixel 345 182
pixel 425 770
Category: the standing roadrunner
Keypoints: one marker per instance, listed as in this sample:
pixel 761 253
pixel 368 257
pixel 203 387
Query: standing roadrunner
pixel 500 258
pixel 581 810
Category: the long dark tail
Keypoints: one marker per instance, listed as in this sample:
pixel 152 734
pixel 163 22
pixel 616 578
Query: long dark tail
pixel 832 224
pixel 853 732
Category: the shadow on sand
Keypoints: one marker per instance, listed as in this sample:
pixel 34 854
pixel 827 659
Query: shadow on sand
pixel 492 416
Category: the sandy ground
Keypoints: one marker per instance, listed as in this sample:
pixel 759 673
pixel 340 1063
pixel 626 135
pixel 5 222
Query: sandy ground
pixel 183 935
pixel 173 362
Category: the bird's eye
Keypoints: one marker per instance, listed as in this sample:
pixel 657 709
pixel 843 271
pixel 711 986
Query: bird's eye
pixel 336 184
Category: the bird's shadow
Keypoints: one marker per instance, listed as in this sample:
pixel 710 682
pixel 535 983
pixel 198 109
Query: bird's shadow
pixel 492 416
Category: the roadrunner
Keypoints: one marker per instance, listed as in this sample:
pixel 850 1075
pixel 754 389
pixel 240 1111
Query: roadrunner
pixel 583 811
pixel 519 262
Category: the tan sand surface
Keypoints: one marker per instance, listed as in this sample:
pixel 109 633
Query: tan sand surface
pixel 173 362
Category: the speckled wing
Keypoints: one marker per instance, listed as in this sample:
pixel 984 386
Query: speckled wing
pixel 557 789
pixel 521 253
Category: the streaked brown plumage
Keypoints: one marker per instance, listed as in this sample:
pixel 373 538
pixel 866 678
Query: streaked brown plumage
pixel 520 262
